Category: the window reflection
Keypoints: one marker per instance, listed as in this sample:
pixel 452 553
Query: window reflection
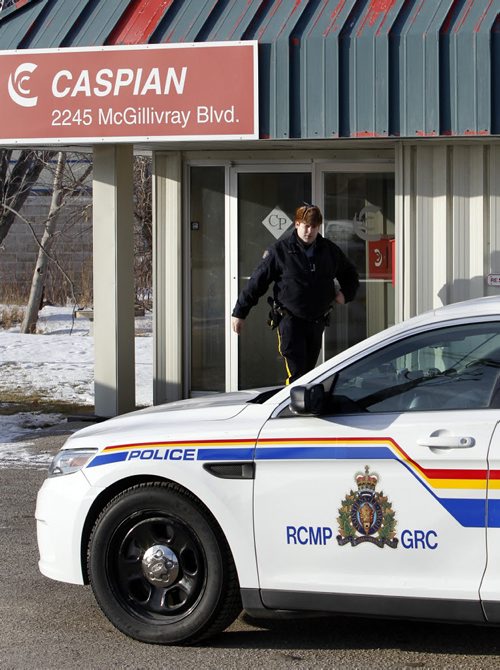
pixel 359 217
pixel 452 368
pixel 207 279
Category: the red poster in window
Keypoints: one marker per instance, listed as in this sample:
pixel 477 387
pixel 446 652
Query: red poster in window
pixel 380 259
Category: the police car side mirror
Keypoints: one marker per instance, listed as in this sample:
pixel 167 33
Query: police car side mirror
pixel 307 400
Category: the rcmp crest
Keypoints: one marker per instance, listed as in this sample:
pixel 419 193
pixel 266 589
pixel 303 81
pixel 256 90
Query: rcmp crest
pixel 367 515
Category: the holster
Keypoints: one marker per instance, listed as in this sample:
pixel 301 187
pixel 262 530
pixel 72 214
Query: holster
pixel 275 314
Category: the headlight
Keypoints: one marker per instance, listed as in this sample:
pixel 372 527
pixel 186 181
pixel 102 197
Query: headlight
pixel 70 460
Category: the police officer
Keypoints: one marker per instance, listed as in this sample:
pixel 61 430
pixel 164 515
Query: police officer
pixel 303 267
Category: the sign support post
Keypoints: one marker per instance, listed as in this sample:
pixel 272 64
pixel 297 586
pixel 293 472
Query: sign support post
pixel 113 230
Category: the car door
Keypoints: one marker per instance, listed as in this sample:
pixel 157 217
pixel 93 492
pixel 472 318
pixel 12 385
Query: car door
pixel 490 586
pixel 384 493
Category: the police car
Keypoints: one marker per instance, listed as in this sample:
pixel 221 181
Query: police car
pixel 370 486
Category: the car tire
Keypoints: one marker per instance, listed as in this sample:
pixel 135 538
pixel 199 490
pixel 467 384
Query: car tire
pixel 160 567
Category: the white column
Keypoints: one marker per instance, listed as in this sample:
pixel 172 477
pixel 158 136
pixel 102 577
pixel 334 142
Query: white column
pixel 448 205
pixel 167 278
pixel 114 338
pixel 493 258
pixel 469 221
pixel 406 270
pixel 431 225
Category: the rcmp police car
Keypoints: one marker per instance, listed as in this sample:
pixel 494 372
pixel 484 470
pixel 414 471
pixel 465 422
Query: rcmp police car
pixel 370 486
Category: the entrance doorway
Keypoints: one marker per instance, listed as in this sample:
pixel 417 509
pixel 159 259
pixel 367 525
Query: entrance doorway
pixel 235 214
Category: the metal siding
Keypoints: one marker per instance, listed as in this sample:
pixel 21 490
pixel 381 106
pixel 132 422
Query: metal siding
pixel 368 80
pixel 274 36
pixel 468 200
pixel 482 29
pixel 233 21
pixel 481 24
pixel 467 36
pixel 449 207
pixel 229 20
pixel 51 27
pixel 441 259
pixel 423 259
pixel 327 68
pixel 415 59
pixel 493 262
pixel 315 52
pixel 185 20
pixel 139 21
pixel 15 24
pixel 95 22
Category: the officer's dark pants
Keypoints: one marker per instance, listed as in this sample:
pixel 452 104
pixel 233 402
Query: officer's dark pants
pixel 299 342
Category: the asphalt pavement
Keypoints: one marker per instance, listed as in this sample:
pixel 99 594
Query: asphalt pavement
pixel 50 625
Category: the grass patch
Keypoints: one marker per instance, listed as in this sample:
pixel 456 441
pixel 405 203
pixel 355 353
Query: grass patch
pixel 14 402
pixel 11 315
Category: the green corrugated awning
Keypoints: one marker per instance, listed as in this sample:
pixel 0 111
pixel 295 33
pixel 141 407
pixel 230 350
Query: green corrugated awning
pixel 327 68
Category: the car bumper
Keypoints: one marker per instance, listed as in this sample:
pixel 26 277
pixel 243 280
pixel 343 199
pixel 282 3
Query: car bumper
pixel 61 509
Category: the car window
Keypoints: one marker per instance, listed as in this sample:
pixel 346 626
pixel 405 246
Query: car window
pixel 447 368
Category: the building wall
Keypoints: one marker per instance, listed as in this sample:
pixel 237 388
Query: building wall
pixel 448 227
pixel 72 249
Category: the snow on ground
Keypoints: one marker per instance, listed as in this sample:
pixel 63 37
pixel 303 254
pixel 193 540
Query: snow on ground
pixel 57 364
pixel 18 453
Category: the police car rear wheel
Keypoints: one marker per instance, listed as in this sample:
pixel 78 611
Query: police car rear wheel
pixel 160 567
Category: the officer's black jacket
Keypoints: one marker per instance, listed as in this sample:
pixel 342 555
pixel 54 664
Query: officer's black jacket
pixel 305 293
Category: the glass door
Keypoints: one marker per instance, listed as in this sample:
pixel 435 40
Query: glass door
pixel 264 204
pixel 207 265
pixel 358 210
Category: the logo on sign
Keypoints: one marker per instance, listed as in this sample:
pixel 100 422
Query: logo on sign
pixel 365 223
pixel 367 515
pixel 277 222
pixel 18 85
pixel 380 259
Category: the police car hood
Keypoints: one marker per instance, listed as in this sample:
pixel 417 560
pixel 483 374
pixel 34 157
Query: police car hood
pixel 216 407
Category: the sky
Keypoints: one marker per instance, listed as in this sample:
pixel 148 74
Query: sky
pixel 58 364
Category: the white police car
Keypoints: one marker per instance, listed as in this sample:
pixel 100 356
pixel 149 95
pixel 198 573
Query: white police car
pixel 371 486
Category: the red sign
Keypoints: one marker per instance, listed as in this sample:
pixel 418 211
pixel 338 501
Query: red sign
pixel 160 92
pixel 380 259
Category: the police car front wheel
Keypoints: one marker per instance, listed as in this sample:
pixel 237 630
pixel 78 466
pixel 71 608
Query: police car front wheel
pixel 160 567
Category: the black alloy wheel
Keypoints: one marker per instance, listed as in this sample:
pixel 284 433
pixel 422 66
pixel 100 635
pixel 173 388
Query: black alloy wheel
pixel 160 567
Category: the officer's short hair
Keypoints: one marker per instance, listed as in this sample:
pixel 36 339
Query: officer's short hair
pixel 310 214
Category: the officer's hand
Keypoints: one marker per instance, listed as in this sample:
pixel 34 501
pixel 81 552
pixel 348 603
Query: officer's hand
pixel 237 324
pixel 339 298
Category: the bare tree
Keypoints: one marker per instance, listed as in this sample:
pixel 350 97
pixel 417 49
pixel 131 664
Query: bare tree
pixel 19 171
pixel 143 233
pixel 64 184
pixel 60 195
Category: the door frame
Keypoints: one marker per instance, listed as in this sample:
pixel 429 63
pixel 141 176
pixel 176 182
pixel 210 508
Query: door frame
pixel 186 253
pixel 316 167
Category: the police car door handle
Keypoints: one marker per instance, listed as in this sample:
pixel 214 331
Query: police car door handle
pixel 447 442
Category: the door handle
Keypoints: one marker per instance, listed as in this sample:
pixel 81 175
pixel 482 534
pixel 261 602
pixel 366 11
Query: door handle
pixel 447 442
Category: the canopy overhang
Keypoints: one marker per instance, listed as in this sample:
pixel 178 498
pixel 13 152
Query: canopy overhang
pixel 328 69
